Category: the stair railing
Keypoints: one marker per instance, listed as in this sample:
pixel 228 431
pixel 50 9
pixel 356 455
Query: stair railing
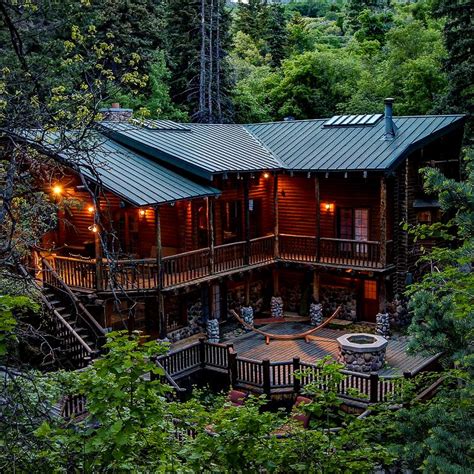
pixel 69 340
pixel 51 277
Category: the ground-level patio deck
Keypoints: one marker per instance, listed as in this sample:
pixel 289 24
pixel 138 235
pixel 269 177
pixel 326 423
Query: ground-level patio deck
pixel 252 346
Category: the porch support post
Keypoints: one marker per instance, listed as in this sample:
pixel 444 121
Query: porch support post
pixel 276 282
pixel 316 285
pixel 383 221
pixel 210 220
pixel 247 220
pixel 276 248
pixel 382 294
pixel 247 289
pixel 98 259
pixel 159 265
pixel 318 216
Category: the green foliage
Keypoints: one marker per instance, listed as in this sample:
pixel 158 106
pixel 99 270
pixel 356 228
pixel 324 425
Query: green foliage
pixel 12 308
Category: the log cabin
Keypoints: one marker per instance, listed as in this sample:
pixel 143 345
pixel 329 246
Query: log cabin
pixel 196 220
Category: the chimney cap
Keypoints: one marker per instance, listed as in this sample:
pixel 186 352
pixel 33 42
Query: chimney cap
pixel 389 100
pixel 115 105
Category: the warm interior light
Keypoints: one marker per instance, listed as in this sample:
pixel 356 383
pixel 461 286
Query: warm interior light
pixel 57 189
pixel 94 228
pixel 266 175
pixel 142 212
pixel 327 206
pixel 90 209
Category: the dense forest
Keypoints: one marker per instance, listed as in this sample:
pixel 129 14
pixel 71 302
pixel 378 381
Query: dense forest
pixel 213 61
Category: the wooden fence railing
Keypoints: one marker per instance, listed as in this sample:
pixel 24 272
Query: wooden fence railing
pixel 274 377
pixel 144 274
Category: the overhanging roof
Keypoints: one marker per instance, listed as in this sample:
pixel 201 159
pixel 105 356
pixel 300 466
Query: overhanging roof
pixel 138 179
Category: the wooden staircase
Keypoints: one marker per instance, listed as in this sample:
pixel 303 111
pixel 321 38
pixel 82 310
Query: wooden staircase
pixel 76 336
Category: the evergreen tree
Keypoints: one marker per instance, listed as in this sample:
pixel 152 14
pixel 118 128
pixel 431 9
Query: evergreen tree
pixel 459 41
pixel 252 18
pixel 276 34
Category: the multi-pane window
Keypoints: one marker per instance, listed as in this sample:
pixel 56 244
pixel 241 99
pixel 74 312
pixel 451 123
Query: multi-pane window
pixel 370 290
pixel 354 223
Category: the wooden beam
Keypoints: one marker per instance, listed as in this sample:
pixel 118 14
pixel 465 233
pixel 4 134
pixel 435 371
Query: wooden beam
pixel 247 289
pixel 247 220
pixel 316 285
pixel 98 259
pixel 210 227
pixel 276 282
pixel 318 216
pixel 159 259
pixel 383 221
pixel 276 248
pixel 382 294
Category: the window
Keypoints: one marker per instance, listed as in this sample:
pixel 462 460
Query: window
pixel 424 217
pixel 370 290
pixel 354 225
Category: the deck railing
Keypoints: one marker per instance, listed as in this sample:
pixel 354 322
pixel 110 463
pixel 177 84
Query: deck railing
pixel 271 378
pixel 144 274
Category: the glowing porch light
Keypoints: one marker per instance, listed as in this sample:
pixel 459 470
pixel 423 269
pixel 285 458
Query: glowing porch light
pixel 91 209
pixel 94 228
pixel 327 206
pixel 142 212
pixel 57 189
pixel 266 175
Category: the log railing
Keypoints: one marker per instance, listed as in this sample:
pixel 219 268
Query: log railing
pixel 300 248
pixel 270 378
pixel 355 253
pixel 144 274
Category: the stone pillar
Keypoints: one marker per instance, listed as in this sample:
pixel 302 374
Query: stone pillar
pixel 383 324
pixel 316 313
pixel 213 330
pixel 247 315
pixel 276 307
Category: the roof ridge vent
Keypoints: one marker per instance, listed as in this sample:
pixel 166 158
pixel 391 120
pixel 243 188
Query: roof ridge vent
pixel 361 120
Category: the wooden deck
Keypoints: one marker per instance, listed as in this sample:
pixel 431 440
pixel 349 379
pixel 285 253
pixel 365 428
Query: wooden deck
pixel 252 346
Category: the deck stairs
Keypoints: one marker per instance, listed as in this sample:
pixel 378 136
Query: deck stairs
pixel 76 336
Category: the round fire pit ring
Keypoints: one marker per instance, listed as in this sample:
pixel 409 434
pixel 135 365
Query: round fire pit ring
pixel 362 352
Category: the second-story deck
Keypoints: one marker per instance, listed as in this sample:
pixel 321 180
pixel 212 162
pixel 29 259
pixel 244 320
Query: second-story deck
pixel 211 262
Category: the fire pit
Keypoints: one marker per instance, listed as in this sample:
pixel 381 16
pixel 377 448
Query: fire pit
pixel 362 352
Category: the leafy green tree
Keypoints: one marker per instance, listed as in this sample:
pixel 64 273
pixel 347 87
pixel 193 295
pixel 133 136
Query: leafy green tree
pixel 276 34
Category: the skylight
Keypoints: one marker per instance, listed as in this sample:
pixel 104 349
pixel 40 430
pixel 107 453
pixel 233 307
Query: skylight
pixel 353 120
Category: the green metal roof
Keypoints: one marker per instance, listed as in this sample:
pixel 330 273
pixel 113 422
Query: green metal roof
pixel 137 179
pixel 310 145
pixel 204 149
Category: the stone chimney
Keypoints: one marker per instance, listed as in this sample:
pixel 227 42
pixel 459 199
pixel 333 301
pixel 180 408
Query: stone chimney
pixel 116 114
pixel 390 128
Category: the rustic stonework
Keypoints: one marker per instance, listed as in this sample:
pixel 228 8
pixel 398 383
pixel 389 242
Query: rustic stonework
pixel 382 324
pixel 361 356
pixel 236 297
pixel 213 330
pixel 316 314
pixel 398 312
pixel 195 322
pixel 276 307
pixel 333 296
pixel 247 315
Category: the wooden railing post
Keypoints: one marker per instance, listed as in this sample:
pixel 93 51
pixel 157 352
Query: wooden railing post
pixel 296 380
pixel 232 361
pixel 266 377
pixel 202 352
pixel 210 220
pixel 383 222
pixel 374 387
pixel 318 217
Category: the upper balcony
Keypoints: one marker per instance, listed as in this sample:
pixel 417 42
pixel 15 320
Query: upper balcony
pixel 209 263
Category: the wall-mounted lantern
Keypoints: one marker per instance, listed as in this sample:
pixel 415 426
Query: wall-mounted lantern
pixel 327 207
pixel 57 189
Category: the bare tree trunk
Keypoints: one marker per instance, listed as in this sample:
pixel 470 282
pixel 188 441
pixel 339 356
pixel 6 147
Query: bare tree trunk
pixel 218 62
pixel 211 54
pixel 202 73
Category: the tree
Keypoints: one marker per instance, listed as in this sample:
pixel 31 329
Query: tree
pixel 276 34
pixel 459 64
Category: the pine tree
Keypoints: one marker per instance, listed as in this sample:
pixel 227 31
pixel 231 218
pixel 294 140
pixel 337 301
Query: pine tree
pixel 276 34
pixel 459 41
pixel 252 18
